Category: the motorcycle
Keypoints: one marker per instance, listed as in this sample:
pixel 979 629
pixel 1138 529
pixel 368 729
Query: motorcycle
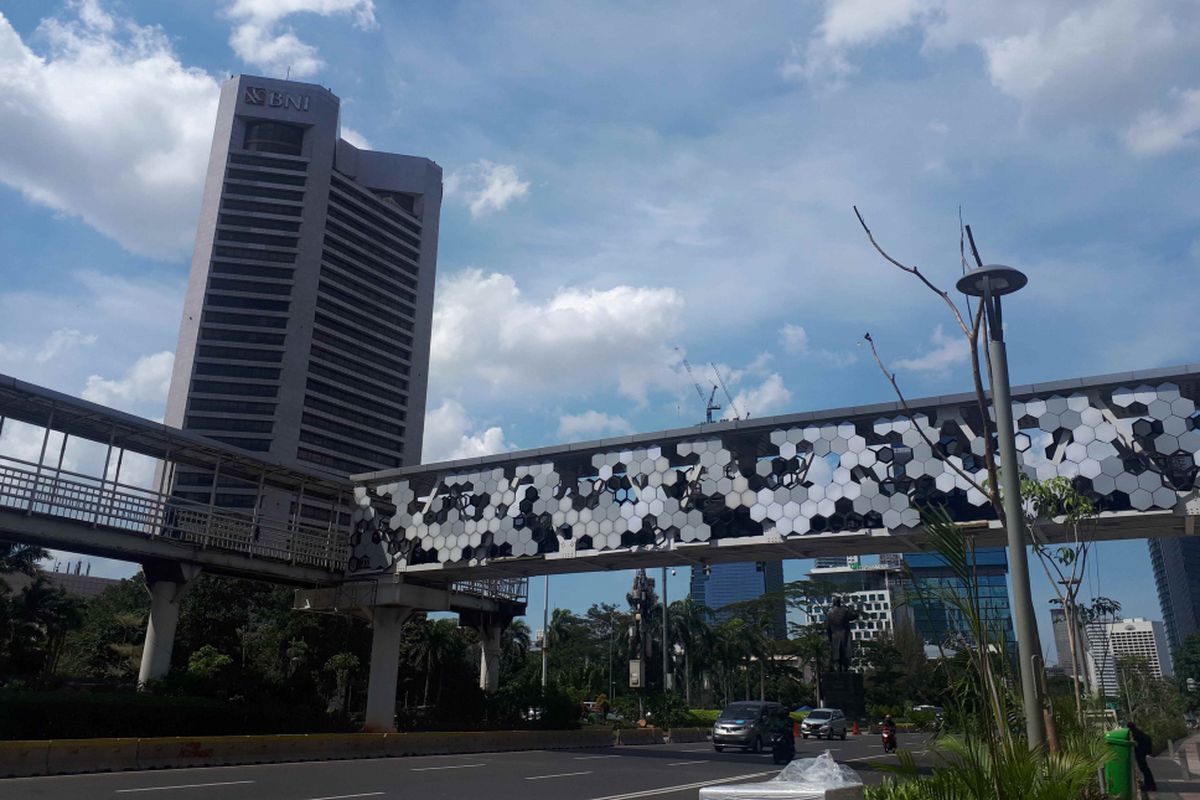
pixel 783 748
pixel 889 741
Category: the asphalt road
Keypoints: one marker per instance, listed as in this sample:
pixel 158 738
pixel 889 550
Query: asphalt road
pixel 666 772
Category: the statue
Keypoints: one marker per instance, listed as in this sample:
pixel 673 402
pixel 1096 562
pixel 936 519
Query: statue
pixel 838 622
pixel 641 602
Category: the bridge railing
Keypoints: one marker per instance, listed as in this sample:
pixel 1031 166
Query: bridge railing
pixel 513 590
pixel 60 493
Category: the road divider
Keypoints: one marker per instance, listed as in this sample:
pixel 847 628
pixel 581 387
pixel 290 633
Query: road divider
pixel 66 756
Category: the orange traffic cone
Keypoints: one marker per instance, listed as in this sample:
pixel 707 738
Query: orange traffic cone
pixel 856 728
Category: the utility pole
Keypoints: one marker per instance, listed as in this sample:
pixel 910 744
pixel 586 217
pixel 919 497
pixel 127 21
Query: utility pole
pixel 545 631
pixel 665 638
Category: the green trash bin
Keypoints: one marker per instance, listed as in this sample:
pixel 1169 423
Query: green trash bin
pixel 1118 770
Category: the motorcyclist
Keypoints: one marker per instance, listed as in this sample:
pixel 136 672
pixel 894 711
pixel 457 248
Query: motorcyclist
pixel 889 731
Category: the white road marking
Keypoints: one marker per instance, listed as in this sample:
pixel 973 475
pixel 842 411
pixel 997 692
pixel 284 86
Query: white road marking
pixel 181 786
pixel 590 758
pixel 683 787
pixel 557 775
pixel 447 766
pixel 701 750
pixel 347 796
pixel 684 763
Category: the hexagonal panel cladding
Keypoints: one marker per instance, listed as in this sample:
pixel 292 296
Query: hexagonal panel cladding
pixel 1141 499
pixel 892 519
pixel 1104 484
pixel 1089 468
pixel 1149 480
pixel 1175 426
pixel 1165 497
pixel 778 436
pixel 1145 394
pixel 1182 407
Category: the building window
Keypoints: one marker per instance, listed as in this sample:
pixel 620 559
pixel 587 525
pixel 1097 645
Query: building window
pixel 274 137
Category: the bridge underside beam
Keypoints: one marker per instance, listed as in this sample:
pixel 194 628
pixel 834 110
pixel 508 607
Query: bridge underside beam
pixel 79 537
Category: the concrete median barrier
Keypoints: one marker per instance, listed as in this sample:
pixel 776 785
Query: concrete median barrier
pixel 640 736
pixel 688 735
pixel 19 759
pixel 91 755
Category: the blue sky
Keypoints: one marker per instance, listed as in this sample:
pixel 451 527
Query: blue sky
pixel 627 178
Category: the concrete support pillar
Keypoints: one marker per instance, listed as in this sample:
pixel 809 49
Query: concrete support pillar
pixel 168 583
pixel 386 622
pixel 489 662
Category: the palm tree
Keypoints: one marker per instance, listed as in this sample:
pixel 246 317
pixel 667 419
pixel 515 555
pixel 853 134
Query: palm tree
pixel 436 646
pixel 691 629
pixel 515 642
pixel 21 558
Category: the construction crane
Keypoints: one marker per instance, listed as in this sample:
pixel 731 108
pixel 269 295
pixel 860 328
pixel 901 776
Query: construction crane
pixel 709 405
pixel 737 414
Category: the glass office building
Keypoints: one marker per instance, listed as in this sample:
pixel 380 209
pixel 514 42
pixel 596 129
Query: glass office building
pixel 939 622
pixel 728 584
pixel 1176 564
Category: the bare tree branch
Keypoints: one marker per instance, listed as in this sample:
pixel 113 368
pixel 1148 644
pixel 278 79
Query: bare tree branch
pixel 908 412
pixel 914 271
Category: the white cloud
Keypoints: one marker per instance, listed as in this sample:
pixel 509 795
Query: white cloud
pixel 449 435
pixel 61 341
pixel 793 339
pixel 355 138
pixel 485 186
pixel 488 336
pixel 260 38
pixel 146 381
pixel 769 396
pixel 591 425
pixel 948 351
pixel 106 124
pixel 1158 131
pixel 1105 61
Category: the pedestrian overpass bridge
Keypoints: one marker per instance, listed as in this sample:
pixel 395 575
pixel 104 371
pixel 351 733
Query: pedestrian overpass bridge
pixel 465 535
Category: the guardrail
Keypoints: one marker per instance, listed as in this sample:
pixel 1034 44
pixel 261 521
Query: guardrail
pixel 514 590
pixel 100 503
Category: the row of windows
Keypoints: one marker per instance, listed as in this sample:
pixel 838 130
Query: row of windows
pixel 234 285
pixel 360 352
pixel 231 204
pixel 329 426
pixel 247 254
pixel 264 161
pixel 351 188
pixel 256 238
pixel 349 313
pixel 359 368
pixel 251 270
pixel 370 307
pixel 388 266
pixel 332 462
pixel 266 177
pixel 342 448
pixel 255 445
pixel 248 320
pixel 388 293
pixel 243 337
pixel 237 371
pixel 205 478
pixel 240 353
pixel 264 191
pixel 260 222
pixel 241 389
pixel 356 400
pixel 356 383
pixel 229 424
pixel 370 225
pixel 230 406
pixel 345 203
pixel 333 409
pixel 259 304
pixel 390 281
pixel 391 255
pixel 358 334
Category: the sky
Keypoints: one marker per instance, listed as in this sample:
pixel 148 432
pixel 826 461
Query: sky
pixel 629 182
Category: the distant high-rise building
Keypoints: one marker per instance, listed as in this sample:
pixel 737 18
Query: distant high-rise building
pixel 1176 564
pixel 833 562
pixel 727 584
pixel 939 622
pixel 306 325
pixel 1110 642
pixel 875 590
pixel 1062 643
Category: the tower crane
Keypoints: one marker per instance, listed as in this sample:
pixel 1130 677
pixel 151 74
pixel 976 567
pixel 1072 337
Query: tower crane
pixel 709 405
pixel 737 414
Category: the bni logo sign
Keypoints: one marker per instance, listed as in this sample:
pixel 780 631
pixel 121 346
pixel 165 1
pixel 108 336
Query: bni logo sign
pixel 258 96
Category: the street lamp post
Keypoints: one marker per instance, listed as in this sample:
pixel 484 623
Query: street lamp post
pixel 545 630
pixel 666 673
pixel 989 283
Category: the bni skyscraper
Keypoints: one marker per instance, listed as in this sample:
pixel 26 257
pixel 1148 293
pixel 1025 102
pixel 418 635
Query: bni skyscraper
pixel 306 326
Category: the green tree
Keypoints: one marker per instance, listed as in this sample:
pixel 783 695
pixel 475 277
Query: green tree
pixel 341 666
pixel 1187 671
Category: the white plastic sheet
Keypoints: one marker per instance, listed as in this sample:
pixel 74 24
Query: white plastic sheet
pixel 819 778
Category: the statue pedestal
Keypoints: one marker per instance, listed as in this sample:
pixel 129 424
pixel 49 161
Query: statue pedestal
pixel 844 690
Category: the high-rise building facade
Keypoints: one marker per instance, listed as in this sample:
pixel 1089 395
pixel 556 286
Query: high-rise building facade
pixel 1062 644
pixel 876 591
pixel 938 622
pixel 727 584
pixel 1176 564
pixel 306 326
pixel 1110 642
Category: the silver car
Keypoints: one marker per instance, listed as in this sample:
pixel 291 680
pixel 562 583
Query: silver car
pixel 747 725
pixel 824 723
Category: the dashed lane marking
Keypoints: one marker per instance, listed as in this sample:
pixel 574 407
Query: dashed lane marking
pixel 557 775
pixel 181 786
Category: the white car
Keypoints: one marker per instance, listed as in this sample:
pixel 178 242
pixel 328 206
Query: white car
pixel 824 723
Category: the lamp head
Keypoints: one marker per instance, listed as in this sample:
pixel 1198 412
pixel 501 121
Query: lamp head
pixel 1004 280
